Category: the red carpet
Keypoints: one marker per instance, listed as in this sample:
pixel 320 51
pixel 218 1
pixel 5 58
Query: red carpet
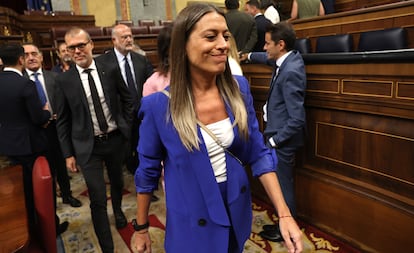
pixel 126 233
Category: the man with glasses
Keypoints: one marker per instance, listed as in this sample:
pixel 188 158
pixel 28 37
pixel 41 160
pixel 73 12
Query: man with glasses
pixel 135 69
pixel 94 109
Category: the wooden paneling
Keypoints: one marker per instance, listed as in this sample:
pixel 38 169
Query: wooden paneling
pixel 354 22
pixel 39 26
pixel 354 176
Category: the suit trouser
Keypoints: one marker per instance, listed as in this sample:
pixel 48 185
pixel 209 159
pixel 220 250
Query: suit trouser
pixel 111 152
pixel 131 157
pixel 286 162
pixel 57 162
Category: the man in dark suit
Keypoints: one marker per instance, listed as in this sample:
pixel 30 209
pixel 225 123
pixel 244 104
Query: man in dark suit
pixel 329 6
pixel 284 110
pixel 94 115
pixel 242 26
pixel 22 119
pixel 252 7
pixel 140 69
pixel 46 79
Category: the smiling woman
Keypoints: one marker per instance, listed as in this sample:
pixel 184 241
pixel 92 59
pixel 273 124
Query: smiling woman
pixel 208 198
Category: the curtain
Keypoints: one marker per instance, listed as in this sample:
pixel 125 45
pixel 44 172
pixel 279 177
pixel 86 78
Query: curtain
pixel 42 5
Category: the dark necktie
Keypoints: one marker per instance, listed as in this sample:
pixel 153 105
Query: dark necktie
pixel 130 79
pixel 275 73
pixel 103 125
pixel 39 89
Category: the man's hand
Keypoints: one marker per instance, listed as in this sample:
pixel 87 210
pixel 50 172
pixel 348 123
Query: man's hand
pixel 243 56
pixel 71 164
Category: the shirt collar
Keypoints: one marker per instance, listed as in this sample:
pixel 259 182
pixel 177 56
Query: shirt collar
pixel 30 73
pixel 120 56
pixel 92 66
pixel 281 59
pixel 13 70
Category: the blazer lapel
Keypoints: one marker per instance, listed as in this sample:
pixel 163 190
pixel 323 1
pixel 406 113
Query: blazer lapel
pixel 201 163
pixel 74 77
pixel 50 89
pixel 104 83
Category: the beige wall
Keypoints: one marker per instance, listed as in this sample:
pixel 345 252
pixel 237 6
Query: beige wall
pixel 180 4
pixel 104 11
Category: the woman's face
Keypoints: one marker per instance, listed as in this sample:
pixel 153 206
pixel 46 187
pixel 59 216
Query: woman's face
pixel 208 45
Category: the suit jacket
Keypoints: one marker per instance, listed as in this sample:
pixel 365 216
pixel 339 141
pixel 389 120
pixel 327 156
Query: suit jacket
pixel 286 118
pixel 50 83
pixel 261 23
pixel 243 27
pixel 142 69
pixel 197 219
pixel 74 120
pixel 21 116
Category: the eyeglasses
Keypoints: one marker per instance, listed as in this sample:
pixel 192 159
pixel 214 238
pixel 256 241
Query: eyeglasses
pixel 80 46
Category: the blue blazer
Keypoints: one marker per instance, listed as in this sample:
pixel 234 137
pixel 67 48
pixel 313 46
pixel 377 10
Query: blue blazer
pixel 197 220
pixel 286 117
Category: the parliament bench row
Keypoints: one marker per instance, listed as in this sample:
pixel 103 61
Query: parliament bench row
pixel 58 32
pixel 386 39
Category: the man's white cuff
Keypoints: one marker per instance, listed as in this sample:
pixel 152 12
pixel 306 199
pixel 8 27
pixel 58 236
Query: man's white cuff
pixel 272 142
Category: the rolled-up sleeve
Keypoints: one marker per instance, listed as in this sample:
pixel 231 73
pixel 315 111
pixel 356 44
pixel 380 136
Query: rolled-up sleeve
pixel 150 150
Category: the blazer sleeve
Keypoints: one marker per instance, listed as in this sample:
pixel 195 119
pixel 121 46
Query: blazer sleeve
pixel 63 122
pixel 261 58
pixel 150 147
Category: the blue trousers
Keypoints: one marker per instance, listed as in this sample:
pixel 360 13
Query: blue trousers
pixel 286 162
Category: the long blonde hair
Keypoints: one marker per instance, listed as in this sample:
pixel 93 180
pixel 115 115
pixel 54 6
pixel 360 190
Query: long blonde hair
pixel 181 105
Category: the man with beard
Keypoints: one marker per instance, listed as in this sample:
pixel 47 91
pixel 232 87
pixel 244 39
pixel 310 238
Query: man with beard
pixel 65 61
pixel 135 69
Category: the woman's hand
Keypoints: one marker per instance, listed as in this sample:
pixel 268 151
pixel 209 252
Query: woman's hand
pixel 291 233
pixel 142 242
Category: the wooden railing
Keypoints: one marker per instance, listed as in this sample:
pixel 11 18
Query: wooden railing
pixel 354 22
pixel 354 176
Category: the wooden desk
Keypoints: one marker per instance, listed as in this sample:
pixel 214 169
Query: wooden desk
pixel 14 234
pixel 354 176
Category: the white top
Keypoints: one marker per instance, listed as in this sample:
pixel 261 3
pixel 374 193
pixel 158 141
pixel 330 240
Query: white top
pixel 223 130
pixel 272 14
pixel 235 67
